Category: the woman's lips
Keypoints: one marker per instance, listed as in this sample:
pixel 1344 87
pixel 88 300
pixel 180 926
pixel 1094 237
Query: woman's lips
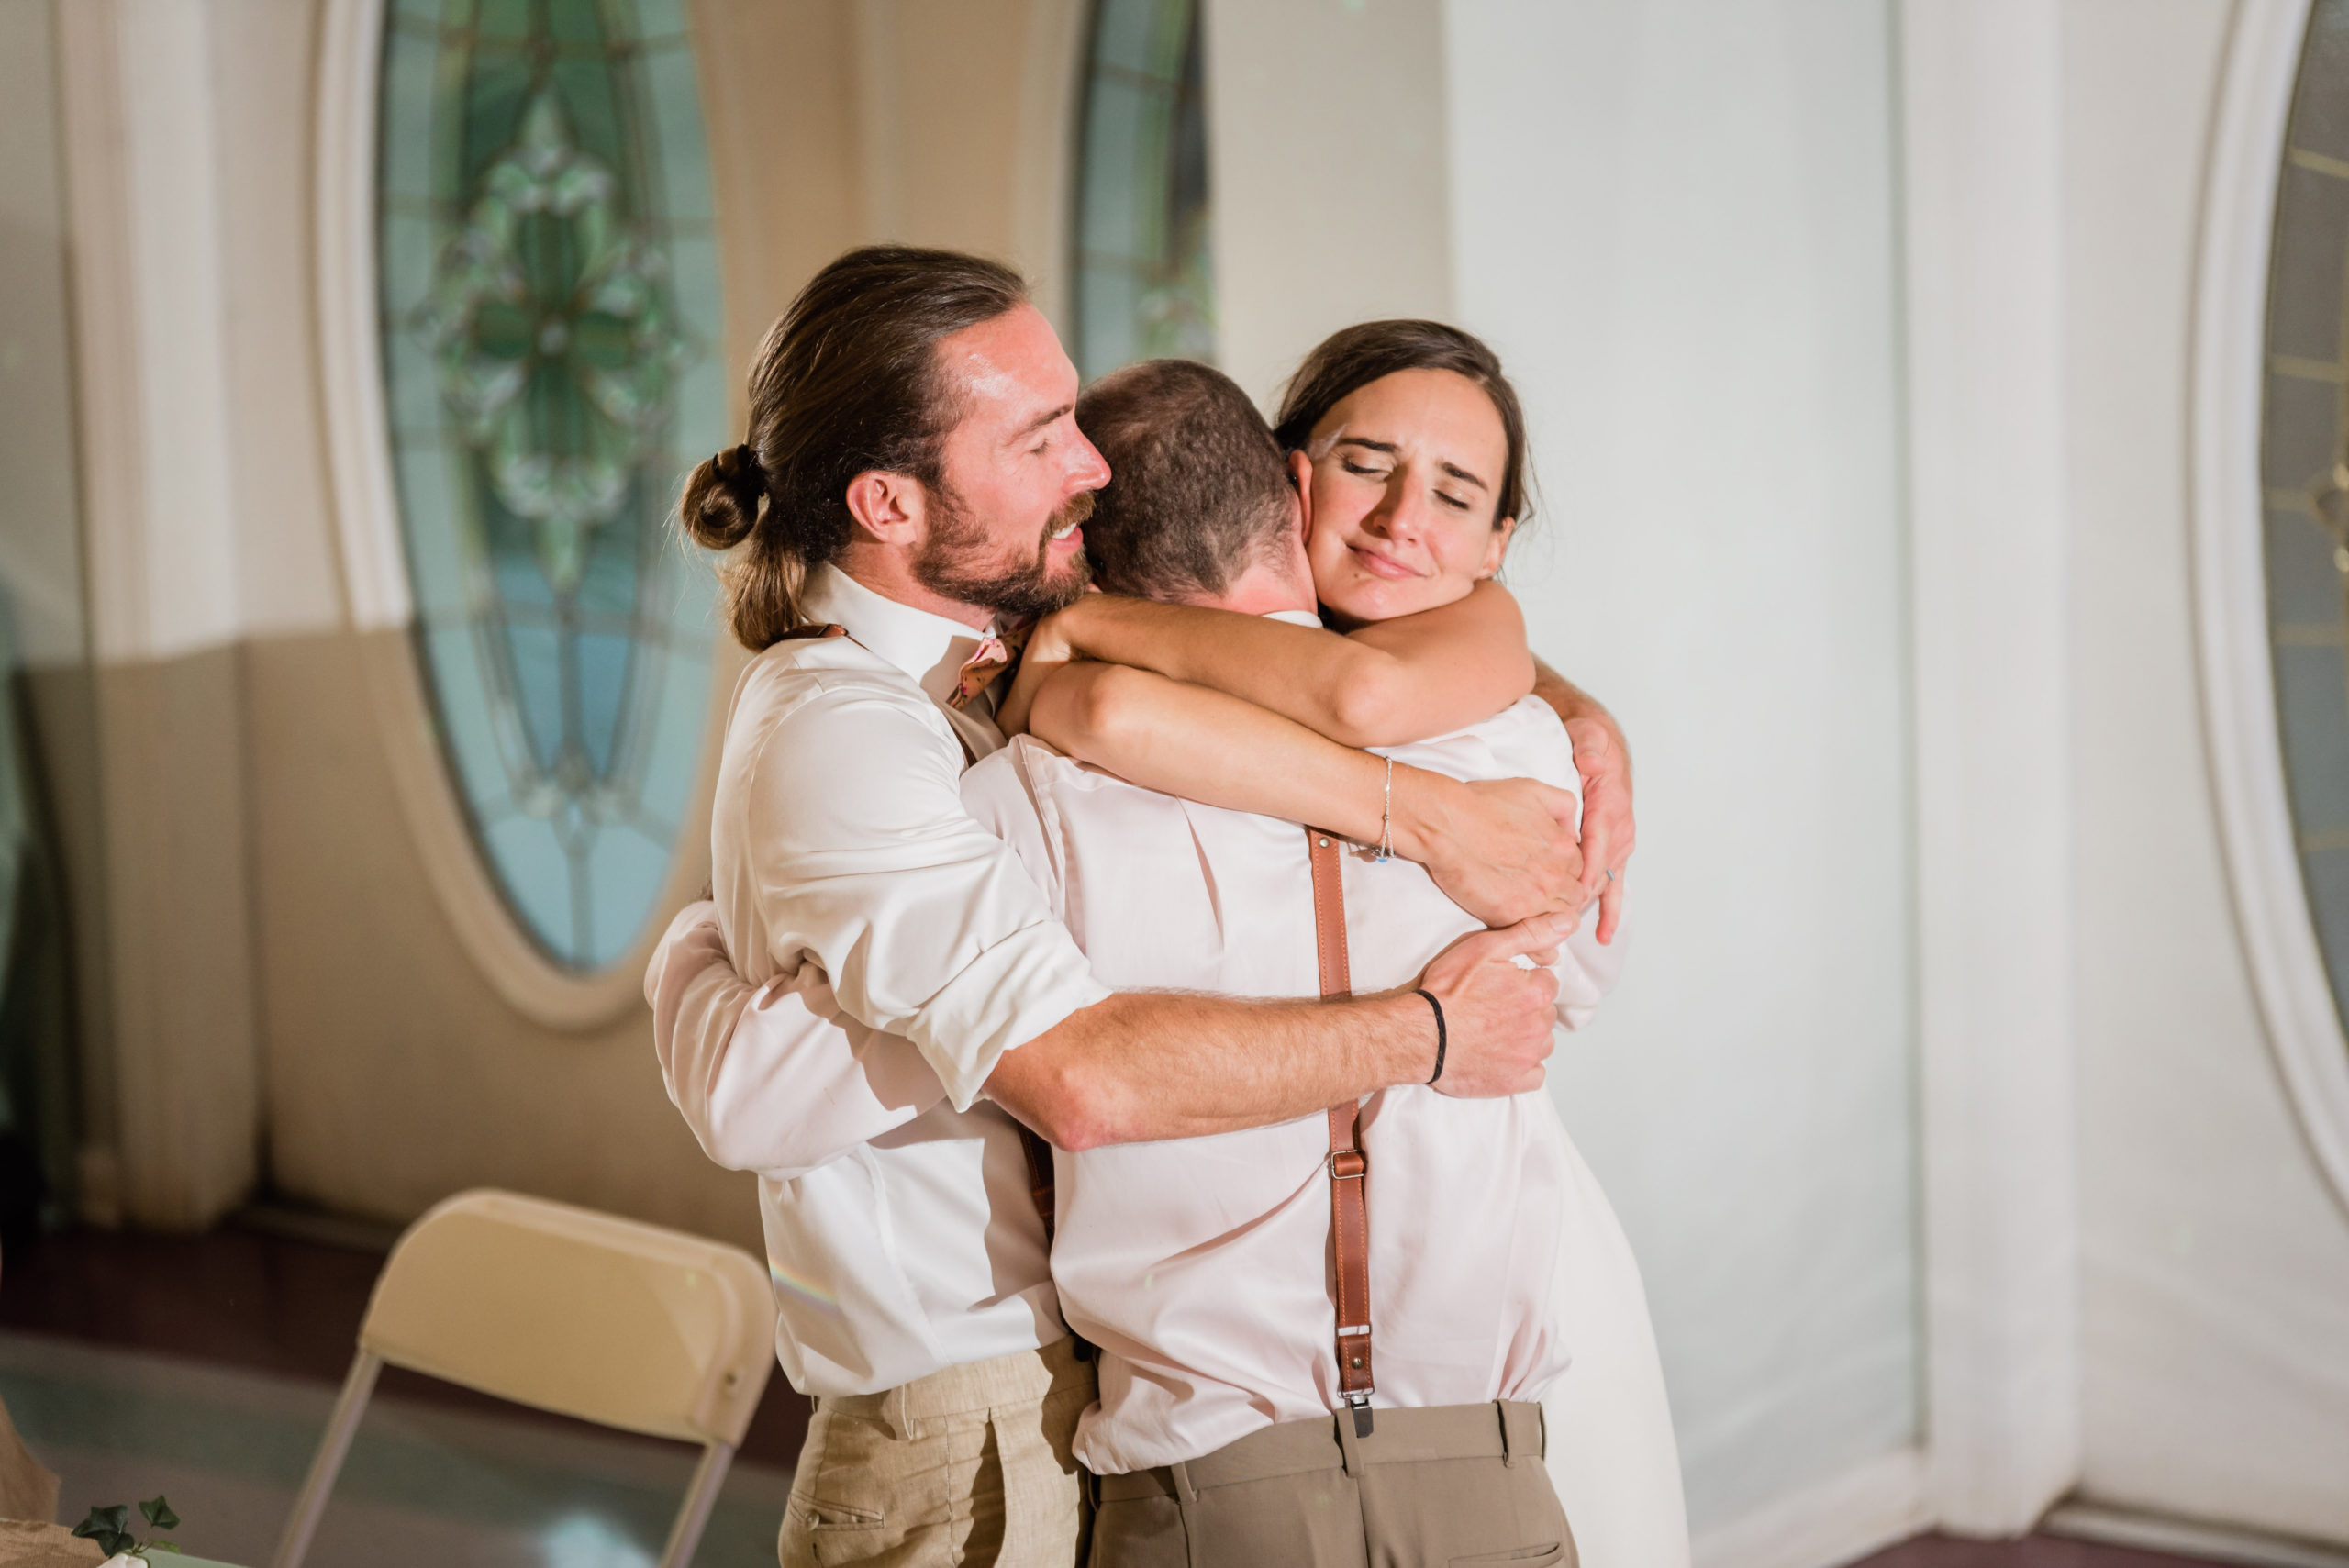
pixel 1385 566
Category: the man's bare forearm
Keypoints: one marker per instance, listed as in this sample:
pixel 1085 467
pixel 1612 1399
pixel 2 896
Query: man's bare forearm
pixel 1148 1065
pixel 1570 702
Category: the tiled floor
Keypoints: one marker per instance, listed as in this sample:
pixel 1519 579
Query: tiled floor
pixel 2039 1551
pixel 256 1298
pixel 203 1367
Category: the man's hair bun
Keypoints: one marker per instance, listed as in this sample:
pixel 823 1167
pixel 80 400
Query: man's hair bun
pixel 720 505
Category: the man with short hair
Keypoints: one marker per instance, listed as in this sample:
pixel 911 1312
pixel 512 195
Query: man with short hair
pixel 913 471
pixel 1252 1409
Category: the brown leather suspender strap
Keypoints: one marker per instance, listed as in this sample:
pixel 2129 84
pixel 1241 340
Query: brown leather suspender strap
pixel 1349 1167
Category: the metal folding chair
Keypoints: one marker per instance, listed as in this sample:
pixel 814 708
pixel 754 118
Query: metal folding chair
pixel 607 1319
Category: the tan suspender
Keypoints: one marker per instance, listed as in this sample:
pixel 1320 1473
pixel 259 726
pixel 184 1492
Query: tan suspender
pixel 1349 1167
pixel 1040 1153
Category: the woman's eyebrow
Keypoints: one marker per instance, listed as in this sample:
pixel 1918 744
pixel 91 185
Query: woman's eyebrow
pixel 1391 449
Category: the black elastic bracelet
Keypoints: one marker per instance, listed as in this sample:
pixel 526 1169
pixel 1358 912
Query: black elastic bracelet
pixel 1438 1034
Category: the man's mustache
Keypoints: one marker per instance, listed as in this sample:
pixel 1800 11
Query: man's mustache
pixel 1076 509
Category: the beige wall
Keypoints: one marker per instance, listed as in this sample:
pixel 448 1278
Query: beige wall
pixel 1328 161
pixel 294 999
pixel 395 1073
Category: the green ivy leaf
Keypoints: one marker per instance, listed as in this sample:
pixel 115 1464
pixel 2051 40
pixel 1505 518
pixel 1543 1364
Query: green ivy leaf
pixel 159 1513
pixel 108 1527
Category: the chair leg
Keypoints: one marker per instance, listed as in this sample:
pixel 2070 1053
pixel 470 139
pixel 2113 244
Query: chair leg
pixel 303 1522
pixel 700 1497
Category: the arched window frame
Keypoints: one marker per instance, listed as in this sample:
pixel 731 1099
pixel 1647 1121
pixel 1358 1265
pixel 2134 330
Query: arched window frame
pixel 2247 764
pixel 376 585
pixel 1140 91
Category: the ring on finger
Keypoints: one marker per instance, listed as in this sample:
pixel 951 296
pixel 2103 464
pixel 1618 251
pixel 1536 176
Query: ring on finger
pixel 1610 874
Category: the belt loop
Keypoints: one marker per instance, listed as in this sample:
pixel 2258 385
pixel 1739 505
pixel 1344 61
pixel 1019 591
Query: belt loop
pixel 1348 1445
pixel 893 1416
pixel 1186 1504
pixel 1522 1431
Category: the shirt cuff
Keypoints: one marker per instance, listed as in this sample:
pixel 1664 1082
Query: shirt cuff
pixel 1023 986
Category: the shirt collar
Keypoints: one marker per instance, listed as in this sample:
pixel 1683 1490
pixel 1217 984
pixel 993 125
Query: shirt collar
pixel 930 649
pixel 1296 618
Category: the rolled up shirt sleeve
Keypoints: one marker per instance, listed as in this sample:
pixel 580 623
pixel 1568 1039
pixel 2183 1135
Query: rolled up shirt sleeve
pixel 774 1079
pixel 864 859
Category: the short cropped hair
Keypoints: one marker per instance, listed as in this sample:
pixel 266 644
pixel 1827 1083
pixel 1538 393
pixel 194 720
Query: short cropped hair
pixel 1198 492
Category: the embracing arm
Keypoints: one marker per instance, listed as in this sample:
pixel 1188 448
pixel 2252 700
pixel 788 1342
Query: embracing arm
pixel 772 1079
pixel 1603 760
pixel 1381 685
pixel 1142 1066
pixel 1502 850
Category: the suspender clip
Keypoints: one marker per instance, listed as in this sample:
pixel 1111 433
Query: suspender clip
pixel 1359 1403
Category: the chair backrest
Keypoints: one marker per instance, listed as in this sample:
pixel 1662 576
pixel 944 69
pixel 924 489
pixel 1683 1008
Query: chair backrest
pixel 608 1319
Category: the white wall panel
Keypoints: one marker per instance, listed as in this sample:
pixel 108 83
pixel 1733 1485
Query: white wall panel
pixel 1677 221
pixel 1326 157
pixel 2215 1267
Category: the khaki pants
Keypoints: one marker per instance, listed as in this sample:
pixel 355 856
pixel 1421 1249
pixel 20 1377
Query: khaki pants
pixel 966 1466
pixel 1452 1486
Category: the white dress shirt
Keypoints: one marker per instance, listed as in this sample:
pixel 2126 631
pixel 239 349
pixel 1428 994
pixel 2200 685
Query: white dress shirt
pixel 779 1082
pixel 1200 1266
pixel 902 949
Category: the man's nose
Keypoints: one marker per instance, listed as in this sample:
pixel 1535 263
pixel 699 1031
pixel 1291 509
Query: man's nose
pixel 1090 470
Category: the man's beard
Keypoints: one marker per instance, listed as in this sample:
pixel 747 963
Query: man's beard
pixel 953 563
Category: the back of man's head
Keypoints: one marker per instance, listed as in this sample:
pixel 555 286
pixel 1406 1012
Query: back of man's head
pixel 1197 493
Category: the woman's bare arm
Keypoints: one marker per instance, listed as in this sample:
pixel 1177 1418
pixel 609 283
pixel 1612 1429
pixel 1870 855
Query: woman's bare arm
pixel 1381 685
pixel 1502 850
pixel 1603 760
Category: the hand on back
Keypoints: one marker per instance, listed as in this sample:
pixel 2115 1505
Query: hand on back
pixel 1497 1014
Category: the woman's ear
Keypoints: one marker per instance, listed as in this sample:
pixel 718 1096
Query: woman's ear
pixel 1300 473
pixel 1497 547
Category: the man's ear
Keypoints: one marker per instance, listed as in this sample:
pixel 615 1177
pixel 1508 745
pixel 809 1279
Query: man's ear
pixel 1300 473
pixel 890 507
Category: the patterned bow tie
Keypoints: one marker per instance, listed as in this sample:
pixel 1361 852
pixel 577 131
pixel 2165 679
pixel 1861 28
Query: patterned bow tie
pixel 995 654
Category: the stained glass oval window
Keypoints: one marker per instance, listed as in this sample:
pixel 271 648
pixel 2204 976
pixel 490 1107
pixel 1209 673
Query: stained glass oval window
pixel 2304 462
pixel 1146 273
pixel 550 322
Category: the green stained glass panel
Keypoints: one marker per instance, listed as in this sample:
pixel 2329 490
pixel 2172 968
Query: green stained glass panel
pixel 1144 268
pixel 2304 466
pixel 550 310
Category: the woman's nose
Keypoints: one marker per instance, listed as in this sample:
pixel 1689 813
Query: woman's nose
pixel 1402 514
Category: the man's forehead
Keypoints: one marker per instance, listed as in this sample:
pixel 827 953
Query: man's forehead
pixel 1009 374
